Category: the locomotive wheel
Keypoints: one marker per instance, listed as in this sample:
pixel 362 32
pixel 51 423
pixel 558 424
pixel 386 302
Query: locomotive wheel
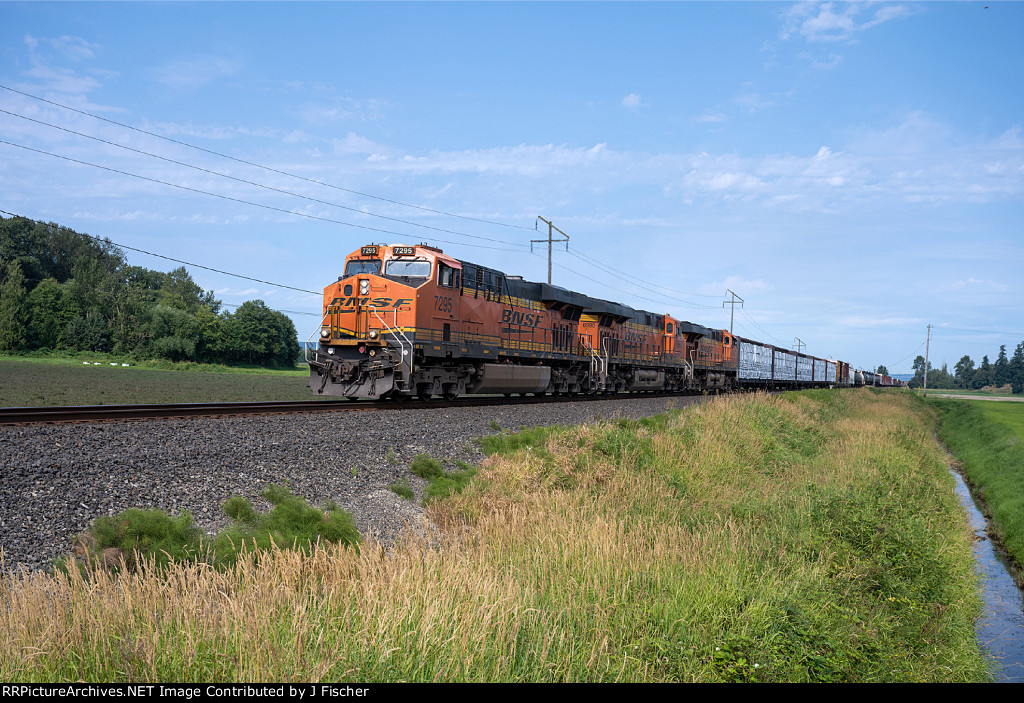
pixel 450 394
pixel 423 392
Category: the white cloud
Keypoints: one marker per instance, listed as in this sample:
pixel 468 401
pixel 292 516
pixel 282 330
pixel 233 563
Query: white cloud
pixel 835 22
pixel 741 286
pixel 868 321
pixel 354 144
pixel 752 102
pixel 710 117
pixel 296 136
pixel 631 102
pixel 827 64
pixel 195 71
pixel 914 160
pixel 975 284
pixel 54 78
pixel 342 108
pixel 525 160
pixel 74 48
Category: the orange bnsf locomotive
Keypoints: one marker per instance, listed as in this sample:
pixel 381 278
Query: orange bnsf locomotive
pixel 407 321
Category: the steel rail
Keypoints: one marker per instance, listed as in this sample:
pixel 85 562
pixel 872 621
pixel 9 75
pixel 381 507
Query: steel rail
pixel 85 413
pixel 109 413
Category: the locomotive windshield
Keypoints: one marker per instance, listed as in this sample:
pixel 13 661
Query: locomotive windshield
pixel 353 268
pixel 409 269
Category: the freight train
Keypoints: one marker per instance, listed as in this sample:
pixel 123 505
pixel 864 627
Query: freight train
pixel 410 321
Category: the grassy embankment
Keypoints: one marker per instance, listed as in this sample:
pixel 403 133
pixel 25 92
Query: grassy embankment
pixel 32 382
pixel 988 438
pixel 810 537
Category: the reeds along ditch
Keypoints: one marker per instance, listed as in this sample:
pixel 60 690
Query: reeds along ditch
pixel 810 537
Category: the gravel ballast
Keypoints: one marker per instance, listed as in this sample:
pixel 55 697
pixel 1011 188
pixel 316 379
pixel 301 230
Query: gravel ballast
pixel 58 478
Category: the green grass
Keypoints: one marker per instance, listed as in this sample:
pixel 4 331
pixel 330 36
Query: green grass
pixel 449 483
pixel 1010 415
pixel 41 382
pixel 806 537
pixel 403 488
pixel 988 438
pixel 136 537
pixel 1003 392
pixel 441 483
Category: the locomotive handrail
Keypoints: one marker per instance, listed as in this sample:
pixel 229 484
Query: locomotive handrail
pixel 310 337
pixel 601 364
pixel 398 335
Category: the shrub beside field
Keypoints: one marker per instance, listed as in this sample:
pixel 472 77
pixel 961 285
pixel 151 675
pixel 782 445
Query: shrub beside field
pixel 811 537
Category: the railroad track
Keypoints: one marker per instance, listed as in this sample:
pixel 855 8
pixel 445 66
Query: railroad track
pixel 112 413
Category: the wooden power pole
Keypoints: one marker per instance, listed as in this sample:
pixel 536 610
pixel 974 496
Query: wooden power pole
pixel 927 347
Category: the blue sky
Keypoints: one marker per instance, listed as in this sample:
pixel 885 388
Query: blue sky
pixel 853 171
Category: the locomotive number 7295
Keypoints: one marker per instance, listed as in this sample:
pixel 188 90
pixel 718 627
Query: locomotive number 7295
pixel 442 303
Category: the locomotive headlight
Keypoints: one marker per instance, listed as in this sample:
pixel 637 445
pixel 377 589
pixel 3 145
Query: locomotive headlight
pixel 325 332
pixel 364 287
pixel 374 334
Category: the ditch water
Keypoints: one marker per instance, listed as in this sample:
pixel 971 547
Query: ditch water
pixel 1001 628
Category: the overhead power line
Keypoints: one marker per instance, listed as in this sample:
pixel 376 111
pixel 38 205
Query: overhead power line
pixel 254 183
pixel 612 269
pixel 664 301
pixel 168 258
pixel 755 324
pixel 586 259
pixel 591 262
pixel 583 257
pixel 641 283
pixel 894 365
pixel 233 199
pixel 261 166
pixel 287 312
pixel 980 331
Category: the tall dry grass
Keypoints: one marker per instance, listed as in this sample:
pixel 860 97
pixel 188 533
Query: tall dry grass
pixel 810 538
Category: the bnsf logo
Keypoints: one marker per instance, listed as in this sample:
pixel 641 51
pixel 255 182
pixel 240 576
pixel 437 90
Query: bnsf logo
pixel 634 336
pixel 527 319
pixel 374 303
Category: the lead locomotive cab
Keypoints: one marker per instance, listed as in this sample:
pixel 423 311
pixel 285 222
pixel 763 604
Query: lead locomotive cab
pixel 364 346
pixel 367 338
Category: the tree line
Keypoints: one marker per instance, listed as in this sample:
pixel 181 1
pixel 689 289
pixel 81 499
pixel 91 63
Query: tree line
pixel 965 375
pixel 61 290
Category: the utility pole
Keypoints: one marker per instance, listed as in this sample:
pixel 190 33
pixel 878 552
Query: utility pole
pixel 549 240
pixel 927 347
pixel 800 344
pixel 733 304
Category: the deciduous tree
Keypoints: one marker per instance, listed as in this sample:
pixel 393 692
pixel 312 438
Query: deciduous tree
pixel 13 317
pixel 51 309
